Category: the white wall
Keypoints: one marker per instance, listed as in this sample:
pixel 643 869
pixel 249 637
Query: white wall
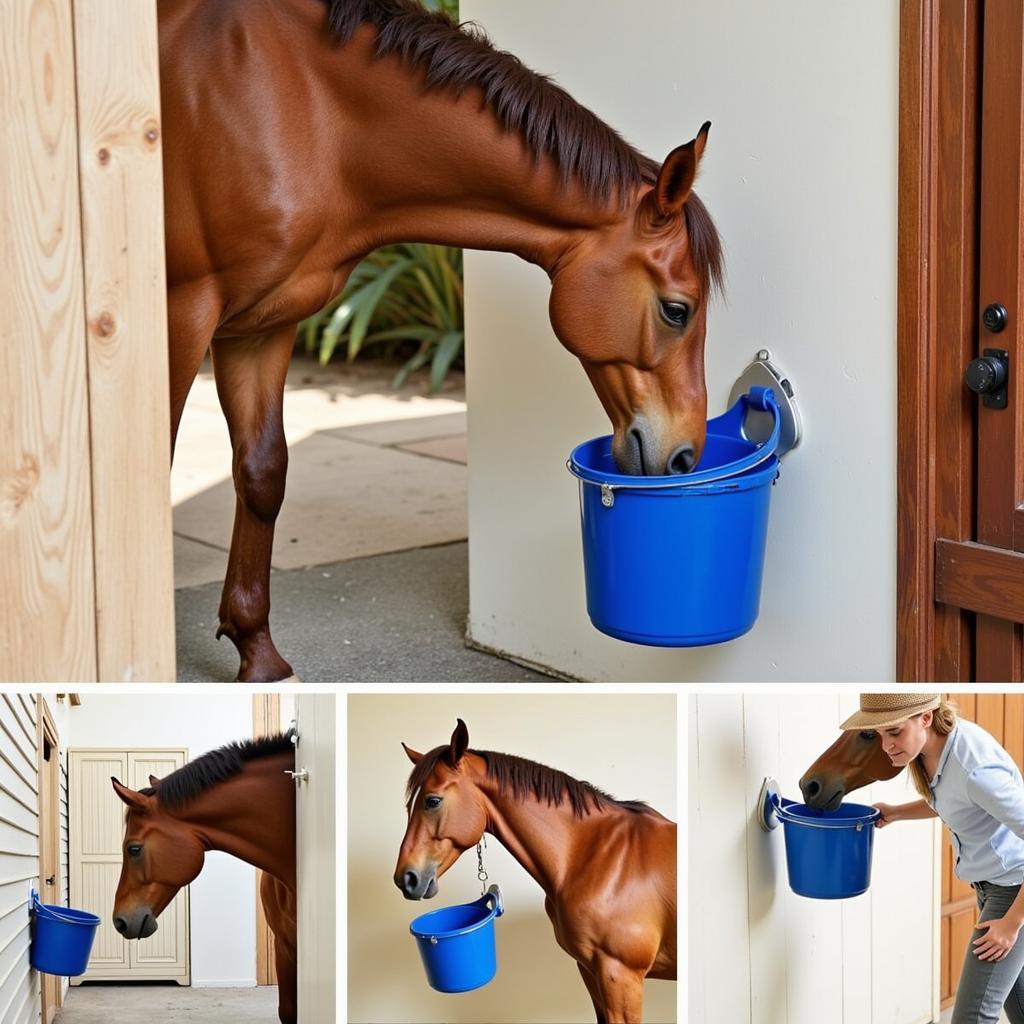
pixel 223 897
pixel 800 175
pixel 778 958
pixel 626 745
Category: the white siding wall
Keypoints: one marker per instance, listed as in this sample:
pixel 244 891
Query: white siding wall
pixel 778 958
pixel 19 856
pixel 800 175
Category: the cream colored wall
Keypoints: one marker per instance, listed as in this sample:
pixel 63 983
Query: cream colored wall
pixel 800 175
pixel 625 744
pixel 759 954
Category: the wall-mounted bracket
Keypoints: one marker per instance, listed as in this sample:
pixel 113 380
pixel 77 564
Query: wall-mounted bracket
pixel 767 801
pixel 758 425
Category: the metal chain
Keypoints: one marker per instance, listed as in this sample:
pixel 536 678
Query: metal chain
pixel 481 874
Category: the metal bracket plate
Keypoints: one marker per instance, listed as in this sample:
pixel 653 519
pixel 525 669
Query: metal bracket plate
pixel 766 801
pixel 758 426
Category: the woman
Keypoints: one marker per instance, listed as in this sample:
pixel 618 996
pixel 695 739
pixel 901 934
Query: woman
pixel 969 781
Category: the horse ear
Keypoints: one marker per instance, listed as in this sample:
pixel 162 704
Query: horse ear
pixel 136 801
pixel 154 781
pixel 460 743
pixel 414 755
pixel 677 174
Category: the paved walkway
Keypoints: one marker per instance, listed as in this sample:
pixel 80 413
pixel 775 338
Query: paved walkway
pixel 168 1004
pixel 369 563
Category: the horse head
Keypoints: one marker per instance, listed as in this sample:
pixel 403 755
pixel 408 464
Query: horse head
pixel 630 301
pixel 160 855
pixel 856 759
pixel 446 816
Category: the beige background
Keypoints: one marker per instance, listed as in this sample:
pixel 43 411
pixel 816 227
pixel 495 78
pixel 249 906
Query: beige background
pixel 625 744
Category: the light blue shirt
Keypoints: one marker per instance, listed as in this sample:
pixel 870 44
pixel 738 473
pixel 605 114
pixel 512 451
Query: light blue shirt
pixel 978 792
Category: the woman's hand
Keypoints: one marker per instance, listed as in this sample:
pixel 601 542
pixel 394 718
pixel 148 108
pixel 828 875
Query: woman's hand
pixel 999 938
pixel 888 813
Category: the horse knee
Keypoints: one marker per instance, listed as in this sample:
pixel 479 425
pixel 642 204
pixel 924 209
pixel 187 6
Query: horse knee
pixel 260 468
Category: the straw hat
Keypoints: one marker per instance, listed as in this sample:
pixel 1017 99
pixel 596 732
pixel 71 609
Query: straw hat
pixel 877 710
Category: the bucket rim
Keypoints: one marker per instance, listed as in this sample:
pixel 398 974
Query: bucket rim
pixel 66 915
pixel 728 426
pixel 789 813
pixel 417 928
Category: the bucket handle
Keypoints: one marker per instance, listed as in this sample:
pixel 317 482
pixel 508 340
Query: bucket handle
pixel 492 900
pixel 758 398
pixel 781 807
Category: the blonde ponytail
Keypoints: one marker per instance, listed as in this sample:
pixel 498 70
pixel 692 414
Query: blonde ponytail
pixel 944 720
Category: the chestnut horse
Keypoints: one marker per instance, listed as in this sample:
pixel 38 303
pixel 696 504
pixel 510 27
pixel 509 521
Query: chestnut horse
pixel 855 759
pixel 300 135
pixel 238 799
pixel 607 867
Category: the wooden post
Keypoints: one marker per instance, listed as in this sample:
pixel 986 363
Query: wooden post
pixel 86 567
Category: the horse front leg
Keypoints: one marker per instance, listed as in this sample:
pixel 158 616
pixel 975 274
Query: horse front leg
pixel 621 991
pixel 250 377
pixel 595 996
pixel 286 962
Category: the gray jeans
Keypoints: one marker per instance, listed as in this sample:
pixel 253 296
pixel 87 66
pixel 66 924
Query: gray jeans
pixel 986 986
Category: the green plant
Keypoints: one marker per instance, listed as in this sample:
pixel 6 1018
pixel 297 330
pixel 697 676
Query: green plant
pixel 399 296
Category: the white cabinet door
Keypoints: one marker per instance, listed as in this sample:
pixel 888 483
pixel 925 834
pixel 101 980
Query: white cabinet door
pixel 316 853
pixel 96 826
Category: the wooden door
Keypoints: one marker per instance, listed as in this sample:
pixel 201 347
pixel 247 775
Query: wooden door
pixel 1002 715
pixel 48 750
pixel 316 856
pixel 961 482
pixel 97 832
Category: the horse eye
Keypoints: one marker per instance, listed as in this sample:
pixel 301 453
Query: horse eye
pixel 868 735
pixel 675 314
pixel 432 803
pixel 135 850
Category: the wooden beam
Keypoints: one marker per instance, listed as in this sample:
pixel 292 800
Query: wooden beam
pixel 980 578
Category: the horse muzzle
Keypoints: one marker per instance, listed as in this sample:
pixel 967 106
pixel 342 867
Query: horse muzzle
pixel 638 452
pixel 417 885
pixel 820 793
pixel 136 924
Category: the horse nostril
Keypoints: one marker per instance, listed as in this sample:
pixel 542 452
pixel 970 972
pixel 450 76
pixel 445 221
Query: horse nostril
pixel 410 880
pixel 682 460
pixel 121 925
pixel 812 789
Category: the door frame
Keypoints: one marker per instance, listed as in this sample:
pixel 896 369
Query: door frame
pixel 51 987
pixel 266 720
pixel 937 260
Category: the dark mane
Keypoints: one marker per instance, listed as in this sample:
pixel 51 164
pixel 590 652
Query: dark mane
pixel 523 778
pixel 187 783
pixel 552 123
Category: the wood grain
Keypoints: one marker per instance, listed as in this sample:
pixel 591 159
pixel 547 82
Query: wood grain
pixel 1001 432
pixel 982 578
pixel 46 568
pixel 125 298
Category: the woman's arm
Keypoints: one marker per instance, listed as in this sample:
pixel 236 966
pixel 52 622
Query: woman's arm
pixel 918 810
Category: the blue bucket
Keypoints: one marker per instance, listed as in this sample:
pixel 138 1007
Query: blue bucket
pixel 62 939
pixel 457 943
pixel 677 561
pixel 828 853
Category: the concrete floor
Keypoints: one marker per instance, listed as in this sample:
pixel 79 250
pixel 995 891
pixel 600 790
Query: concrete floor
pixel 369 563
pixel 392 618
pixel 168 1004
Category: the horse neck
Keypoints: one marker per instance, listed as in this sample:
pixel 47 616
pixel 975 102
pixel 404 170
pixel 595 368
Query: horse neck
pixel 430 167
pixel 250 816
pixel 544 839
